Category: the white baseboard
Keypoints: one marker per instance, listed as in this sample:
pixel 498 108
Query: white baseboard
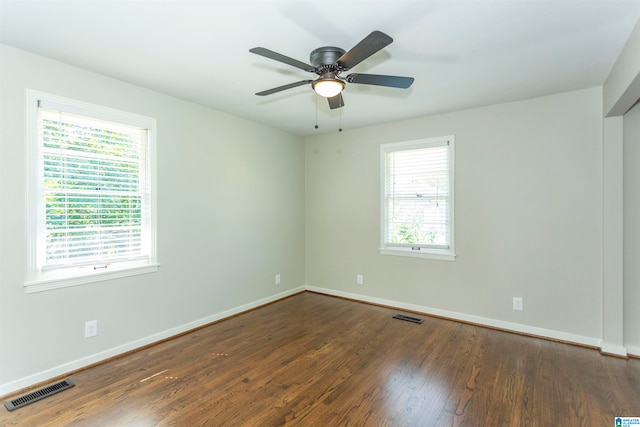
pixel 468 318
pixel 613 349
pixel 106 354
pixel 633 350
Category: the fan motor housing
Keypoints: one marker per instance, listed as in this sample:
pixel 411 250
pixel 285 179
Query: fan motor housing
pixel 327 55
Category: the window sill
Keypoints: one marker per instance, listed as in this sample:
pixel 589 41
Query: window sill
pixel 46 284
pixel 439 255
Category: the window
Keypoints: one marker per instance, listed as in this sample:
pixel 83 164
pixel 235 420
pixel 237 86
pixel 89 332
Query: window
pixel 91 193
pixel 417 198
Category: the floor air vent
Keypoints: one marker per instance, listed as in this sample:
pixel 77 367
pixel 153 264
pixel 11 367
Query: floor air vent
pixel 408 318
pixel 37 395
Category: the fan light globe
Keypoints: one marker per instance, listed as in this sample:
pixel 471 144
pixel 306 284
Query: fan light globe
pixel 328 87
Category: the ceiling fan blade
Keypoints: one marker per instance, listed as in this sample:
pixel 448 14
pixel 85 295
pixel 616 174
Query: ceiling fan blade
pixel 367 47
pixel 336 101
pixel 285 87
pixel 281 58
pixel 380 80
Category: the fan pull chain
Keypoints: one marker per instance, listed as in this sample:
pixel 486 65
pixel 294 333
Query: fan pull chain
pixel 340 128
pixel 316 111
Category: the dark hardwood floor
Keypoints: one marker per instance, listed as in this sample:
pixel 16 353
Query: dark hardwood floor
pixel 314 360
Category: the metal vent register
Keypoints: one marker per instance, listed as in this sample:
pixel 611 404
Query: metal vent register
pixel 38 395
pixel 408 318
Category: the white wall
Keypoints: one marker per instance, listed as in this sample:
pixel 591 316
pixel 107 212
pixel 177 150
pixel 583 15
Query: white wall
pixel 230 212
pixel 632 230
pixel 528 216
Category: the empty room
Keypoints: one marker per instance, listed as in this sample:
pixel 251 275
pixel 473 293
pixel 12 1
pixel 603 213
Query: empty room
pixel 337 213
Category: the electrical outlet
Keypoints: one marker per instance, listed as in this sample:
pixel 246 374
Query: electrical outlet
pixel 90 328
pixel 277 279
pixel 518 303
pixel 360 279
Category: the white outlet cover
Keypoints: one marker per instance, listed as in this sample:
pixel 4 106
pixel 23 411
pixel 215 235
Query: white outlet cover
pixel 359 279
pixel 518 303
pixel 277 279
pixel 90 328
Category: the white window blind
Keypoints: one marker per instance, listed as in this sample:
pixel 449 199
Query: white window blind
pixel 95 186
pixel 417 196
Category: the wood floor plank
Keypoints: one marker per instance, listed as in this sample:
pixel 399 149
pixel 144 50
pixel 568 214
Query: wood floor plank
pixel 314 360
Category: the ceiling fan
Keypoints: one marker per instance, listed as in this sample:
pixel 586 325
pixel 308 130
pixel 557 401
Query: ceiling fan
pixel 329 61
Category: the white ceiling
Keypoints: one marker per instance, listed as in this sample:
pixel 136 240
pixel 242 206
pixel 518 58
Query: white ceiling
pixel 462 53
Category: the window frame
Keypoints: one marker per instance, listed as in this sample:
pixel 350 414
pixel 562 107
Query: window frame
pixel 39 279
pixel 447 254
